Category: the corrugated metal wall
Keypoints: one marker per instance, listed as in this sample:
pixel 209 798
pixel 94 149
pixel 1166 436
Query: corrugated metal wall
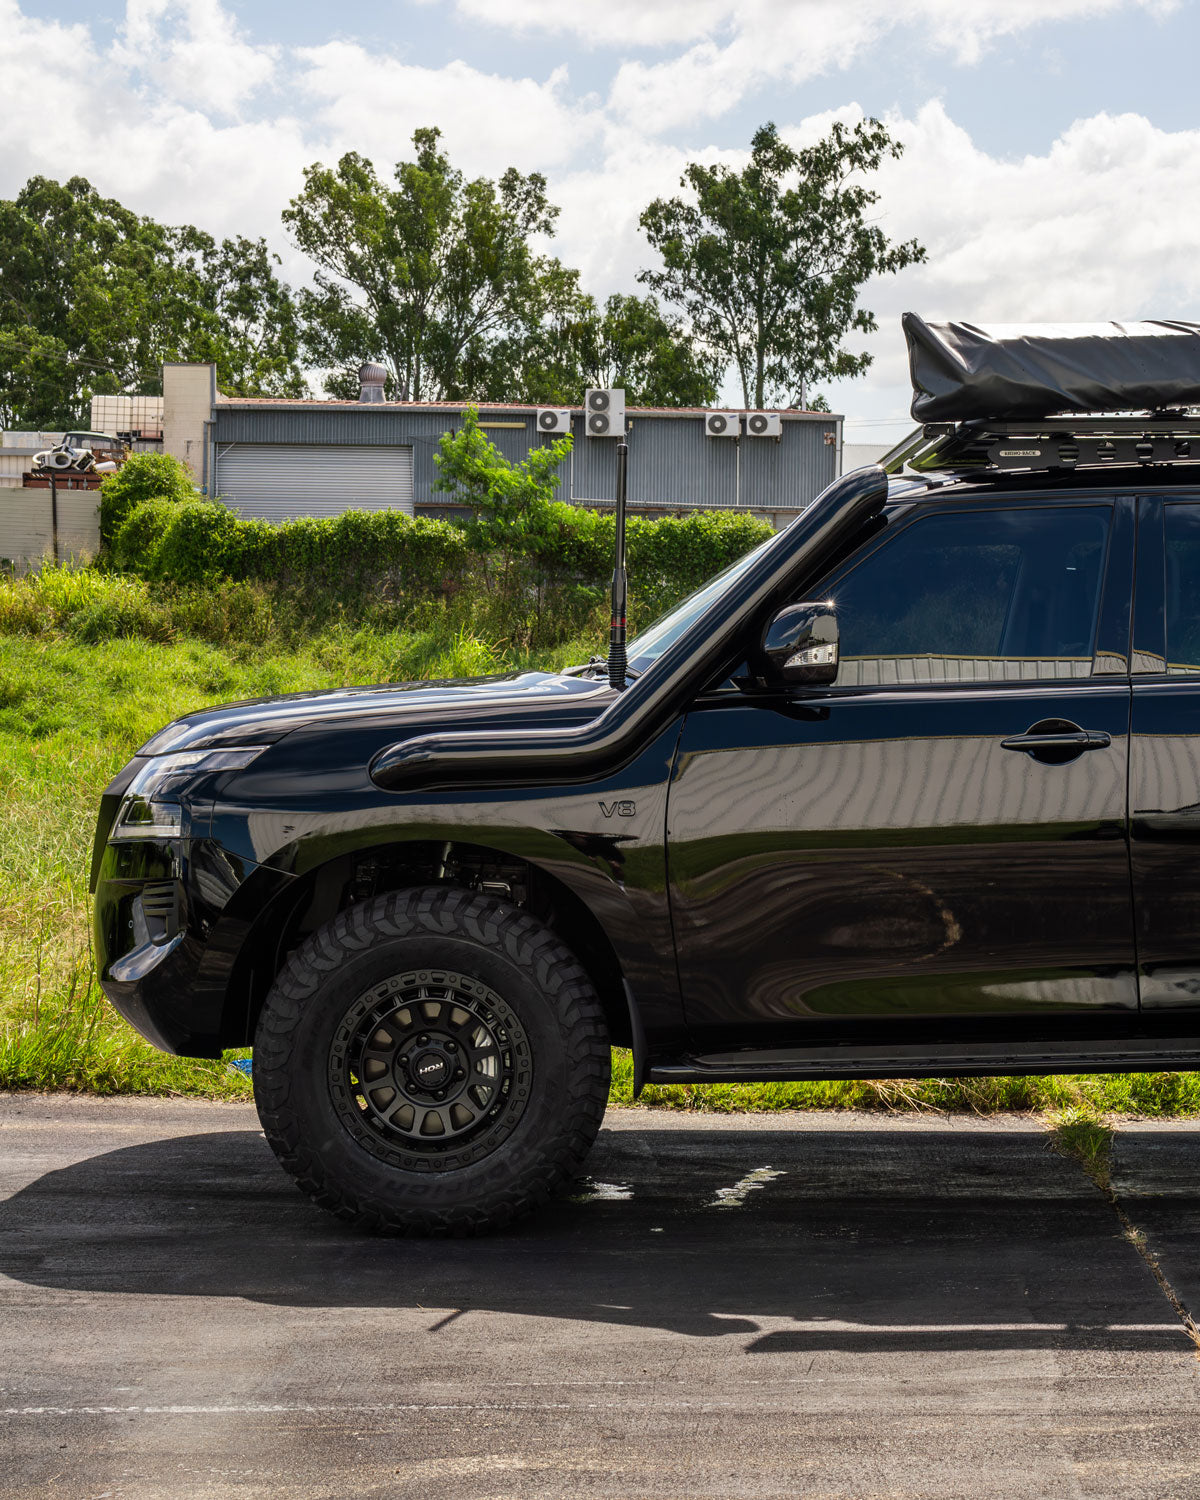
pixel 672 461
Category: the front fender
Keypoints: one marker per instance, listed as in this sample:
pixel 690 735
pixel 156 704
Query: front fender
pixel 604 842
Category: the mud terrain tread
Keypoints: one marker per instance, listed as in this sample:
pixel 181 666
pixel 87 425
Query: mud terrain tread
pixel 438 911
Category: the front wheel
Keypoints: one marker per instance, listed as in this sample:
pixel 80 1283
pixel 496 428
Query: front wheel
pixel 431 1062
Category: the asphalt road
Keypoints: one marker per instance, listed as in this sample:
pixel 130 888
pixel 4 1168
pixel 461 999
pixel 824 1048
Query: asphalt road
pixel 794 1306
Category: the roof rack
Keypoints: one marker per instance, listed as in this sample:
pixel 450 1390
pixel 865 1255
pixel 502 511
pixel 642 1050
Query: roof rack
pixel 1050 443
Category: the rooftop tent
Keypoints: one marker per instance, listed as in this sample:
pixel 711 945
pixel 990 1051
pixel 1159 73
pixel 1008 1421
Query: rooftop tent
pixel 962 371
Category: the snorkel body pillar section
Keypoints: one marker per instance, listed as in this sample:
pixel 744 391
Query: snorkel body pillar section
pixel 584 752
pixel 617 660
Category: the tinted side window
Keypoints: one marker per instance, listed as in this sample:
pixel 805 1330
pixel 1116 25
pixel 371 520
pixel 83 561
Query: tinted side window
pixel 1182 528
pixel 987 596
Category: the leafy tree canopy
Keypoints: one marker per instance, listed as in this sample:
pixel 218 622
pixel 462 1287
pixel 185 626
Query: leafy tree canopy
pixel 427 274
pixel 439 279
pixel 94 298
pixel 767 264
pixel 572 344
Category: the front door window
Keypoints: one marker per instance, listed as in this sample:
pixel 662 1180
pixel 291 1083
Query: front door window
pixel 994 596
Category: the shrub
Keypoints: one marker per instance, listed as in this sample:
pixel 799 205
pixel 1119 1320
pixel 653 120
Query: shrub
pixel 204 541
pixel 137 540
pixel 525 571
pixel 233 612
pixel 363 549
pixel 358 550
pixel 143 476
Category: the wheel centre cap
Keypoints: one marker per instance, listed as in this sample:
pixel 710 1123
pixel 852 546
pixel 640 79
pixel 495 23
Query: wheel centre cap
pixel 430 1069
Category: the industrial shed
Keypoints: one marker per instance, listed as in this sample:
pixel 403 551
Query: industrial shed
pixel 282 458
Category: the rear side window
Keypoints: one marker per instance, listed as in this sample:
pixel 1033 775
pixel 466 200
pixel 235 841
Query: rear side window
pixel 1182 528
pixel 979 596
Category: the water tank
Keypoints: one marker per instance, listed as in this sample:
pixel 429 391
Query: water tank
pixel 371 380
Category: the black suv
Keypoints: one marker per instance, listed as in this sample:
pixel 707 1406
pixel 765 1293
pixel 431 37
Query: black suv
pixel 913 788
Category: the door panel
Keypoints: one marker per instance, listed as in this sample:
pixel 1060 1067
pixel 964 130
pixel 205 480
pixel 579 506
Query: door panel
pixel 876 852
pixel 1165 754
pixel 876 858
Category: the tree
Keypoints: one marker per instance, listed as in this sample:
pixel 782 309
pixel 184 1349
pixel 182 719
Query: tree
pixel 427 276
pixel 232 310
pixel 630 343
pixel 513 517
pixel 511 500
pixel 767 264
pixel 94 297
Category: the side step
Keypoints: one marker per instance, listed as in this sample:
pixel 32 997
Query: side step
pixel 979 1060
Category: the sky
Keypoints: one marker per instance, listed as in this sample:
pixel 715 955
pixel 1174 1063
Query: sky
pixel 1051 146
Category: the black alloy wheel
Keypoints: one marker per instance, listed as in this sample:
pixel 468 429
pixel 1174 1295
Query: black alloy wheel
pixel 430 1069
pixel 431 1062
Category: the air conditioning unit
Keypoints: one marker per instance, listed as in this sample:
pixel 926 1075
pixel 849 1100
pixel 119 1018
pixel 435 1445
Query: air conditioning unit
pixel 764 424
pixel 604 413
pixel 554 419
pixel 723 423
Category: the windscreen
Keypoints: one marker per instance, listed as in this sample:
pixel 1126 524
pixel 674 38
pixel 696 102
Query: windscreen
pixel 650 644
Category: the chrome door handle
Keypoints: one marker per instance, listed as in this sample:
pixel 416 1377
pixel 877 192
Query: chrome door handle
pixel 1057 742
pixel 1076 739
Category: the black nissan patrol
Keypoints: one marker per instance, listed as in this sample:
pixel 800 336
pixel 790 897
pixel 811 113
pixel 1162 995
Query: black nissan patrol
pixel 913 788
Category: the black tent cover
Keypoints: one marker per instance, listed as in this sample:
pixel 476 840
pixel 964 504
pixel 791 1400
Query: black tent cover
pixel 962 371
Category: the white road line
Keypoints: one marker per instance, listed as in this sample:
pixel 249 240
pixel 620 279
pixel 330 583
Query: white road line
pixel 735 1196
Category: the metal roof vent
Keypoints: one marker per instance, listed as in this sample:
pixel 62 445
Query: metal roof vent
pixel 371 380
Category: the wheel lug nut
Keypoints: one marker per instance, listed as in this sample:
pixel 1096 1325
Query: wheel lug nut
pixel 460 1074
pixel 451 1046
pixel 421 1040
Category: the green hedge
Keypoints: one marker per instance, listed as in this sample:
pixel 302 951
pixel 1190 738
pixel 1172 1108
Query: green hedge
pixel 199 541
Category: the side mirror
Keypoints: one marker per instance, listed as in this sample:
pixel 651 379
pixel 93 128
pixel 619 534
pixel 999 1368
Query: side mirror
pixel 800 645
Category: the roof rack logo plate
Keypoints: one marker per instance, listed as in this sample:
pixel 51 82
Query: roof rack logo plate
pixel 1020 453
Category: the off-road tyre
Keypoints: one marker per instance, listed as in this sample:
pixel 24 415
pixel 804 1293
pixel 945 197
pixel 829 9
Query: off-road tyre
pixel 531 992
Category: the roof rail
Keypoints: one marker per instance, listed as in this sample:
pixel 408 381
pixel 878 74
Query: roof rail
pixel 894 459
pixel 1044 443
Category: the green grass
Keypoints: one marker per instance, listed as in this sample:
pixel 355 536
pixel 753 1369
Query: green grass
pixel 1080 1134
pixel 91 664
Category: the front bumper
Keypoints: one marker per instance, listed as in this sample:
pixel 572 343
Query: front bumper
pixel 171 920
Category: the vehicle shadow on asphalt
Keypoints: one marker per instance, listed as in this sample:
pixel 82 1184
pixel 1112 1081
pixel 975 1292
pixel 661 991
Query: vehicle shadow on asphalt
pixel 879 1240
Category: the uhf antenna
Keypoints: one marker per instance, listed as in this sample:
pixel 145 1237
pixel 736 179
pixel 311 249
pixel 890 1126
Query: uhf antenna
pixel 620 584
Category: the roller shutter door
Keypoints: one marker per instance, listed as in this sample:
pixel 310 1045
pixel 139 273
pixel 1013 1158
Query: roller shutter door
pixel 276 482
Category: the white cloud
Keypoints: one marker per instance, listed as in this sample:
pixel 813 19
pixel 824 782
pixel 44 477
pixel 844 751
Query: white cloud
pixel 1094 228
pixel 962 26
pixel 164 147
pixel 194 50
pixel 618 24
pixel 375 102
pixel 732 54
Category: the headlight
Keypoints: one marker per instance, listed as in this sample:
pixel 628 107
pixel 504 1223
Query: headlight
pixel 147 811
pixel 139 818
